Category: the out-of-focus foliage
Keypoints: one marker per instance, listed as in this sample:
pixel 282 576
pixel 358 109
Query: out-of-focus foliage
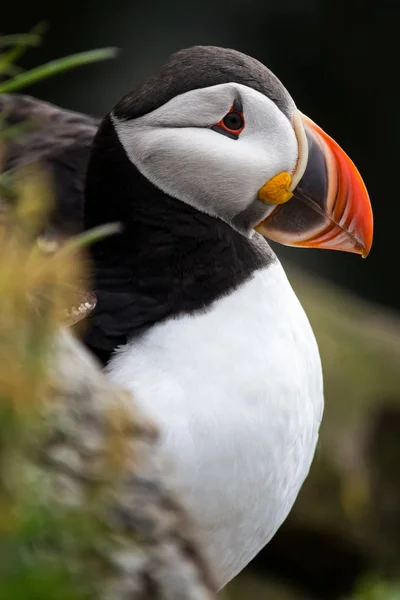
pixel 36 291
pixel 12 78
pixel 372 589
pixel 46 552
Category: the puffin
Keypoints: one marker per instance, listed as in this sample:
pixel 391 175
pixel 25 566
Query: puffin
pixel 200 165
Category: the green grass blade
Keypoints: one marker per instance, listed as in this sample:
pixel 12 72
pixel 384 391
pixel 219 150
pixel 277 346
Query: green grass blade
pixel 21 43
pixel 90 237
pixel 54 67
pixel 9 69
pixel 20 39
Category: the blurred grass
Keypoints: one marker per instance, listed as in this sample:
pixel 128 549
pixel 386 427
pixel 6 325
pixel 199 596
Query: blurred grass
pixel 35 293
pixel 46 552
pixel 54 67
pixel 371 589
pixel 12 78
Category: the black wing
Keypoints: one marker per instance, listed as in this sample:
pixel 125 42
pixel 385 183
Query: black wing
pixel 61 140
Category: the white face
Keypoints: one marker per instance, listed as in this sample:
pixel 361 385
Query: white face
pixel 177 150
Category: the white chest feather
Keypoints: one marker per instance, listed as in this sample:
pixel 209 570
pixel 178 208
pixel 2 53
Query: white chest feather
pixel 237 393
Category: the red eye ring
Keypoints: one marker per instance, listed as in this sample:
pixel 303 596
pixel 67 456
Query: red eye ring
pixel 232 124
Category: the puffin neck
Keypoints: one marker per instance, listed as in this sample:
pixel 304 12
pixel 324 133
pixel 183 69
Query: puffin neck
pixel 170 259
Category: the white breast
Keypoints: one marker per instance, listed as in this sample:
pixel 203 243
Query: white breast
pixel 237 392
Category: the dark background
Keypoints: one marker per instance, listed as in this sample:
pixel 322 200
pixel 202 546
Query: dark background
pixel 338 59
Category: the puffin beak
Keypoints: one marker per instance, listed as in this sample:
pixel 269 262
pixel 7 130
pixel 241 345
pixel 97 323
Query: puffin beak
pixel 325 203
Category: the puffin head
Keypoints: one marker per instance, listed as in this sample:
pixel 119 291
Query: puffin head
pixel 215 129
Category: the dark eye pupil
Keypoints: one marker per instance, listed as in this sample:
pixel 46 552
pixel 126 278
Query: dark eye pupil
pixel 233 121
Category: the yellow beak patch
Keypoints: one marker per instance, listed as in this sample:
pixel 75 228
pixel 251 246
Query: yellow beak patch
pixel 276 190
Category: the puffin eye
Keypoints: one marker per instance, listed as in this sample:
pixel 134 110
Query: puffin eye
pixel 232 124
pixel 233 121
